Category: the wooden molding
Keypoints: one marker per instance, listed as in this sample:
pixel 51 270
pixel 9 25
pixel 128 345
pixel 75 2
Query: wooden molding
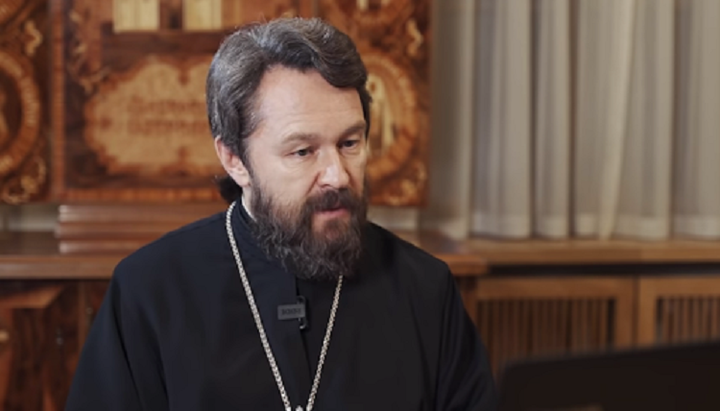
pixel 563 252
pixel 123 228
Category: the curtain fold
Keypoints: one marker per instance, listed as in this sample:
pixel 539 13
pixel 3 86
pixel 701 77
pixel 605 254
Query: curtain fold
pixel 501 193
pixel 551 62
pixel 697 145
pixel 451 176
pixel 604 50
pixel 645 186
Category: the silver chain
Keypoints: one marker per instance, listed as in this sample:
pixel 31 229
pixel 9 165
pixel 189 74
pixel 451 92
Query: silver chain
pixel 261 329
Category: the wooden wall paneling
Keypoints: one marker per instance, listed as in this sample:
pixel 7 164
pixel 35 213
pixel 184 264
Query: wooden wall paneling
pixel 38 345
pixel 676 315
pixel 24 117
pixel 678 309
pixel 62 346
pixel 516 339
pixel 129 119
pixel 393 38
pixel 505 309
pixel 524 317
pixel 119 228
pixel 714 308
pixel 535 346
pixel 91 298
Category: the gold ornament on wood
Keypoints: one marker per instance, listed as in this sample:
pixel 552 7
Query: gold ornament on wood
pixel 23 90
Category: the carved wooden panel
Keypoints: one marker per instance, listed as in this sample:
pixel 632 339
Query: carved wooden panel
pixel 129 119
pixel 39 345
pixel 23 112
pixel 394 40
pixel 678 309
pixel 524 317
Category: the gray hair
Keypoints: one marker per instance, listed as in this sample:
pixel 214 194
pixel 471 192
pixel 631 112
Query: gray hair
pixel 246 55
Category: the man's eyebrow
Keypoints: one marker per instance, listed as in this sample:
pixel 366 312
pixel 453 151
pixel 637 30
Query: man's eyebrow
pixel 358 127
pixel 299 138
pixel 291 138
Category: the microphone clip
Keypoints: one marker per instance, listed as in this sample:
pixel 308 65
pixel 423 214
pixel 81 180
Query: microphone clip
pixel 295 311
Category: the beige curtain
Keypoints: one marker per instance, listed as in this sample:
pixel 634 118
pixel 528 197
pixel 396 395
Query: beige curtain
pixel 604 45
pixel 502 175
pixel 451 175
pixel 551 209
pixel 697 131
pixel 596 118
pixel 643 208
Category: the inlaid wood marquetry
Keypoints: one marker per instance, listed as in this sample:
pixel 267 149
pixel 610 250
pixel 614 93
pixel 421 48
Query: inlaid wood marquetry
pixel 129 120
pixel 24 116
pixel 393 38
pixel 129 117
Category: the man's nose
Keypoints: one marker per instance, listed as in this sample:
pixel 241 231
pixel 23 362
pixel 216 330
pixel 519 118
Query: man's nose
pixel 333 173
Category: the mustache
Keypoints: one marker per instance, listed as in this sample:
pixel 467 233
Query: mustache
pixel 332 200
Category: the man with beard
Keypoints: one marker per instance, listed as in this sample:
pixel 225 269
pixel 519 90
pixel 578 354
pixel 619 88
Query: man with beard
pixel 290 300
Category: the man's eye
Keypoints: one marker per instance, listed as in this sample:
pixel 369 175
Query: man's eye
pixel 350 143
pixel 302 152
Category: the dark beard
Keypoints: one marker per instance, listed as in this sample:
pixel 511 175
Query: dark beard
pixel 289 237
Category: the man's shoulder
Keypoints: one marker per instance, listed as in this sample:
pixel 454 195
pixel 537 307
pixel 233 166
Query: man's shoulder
pixel 405 255
pixel 167 252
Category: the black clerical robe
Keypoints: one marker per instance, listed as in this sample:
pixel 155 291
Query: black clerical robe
pixel 175 332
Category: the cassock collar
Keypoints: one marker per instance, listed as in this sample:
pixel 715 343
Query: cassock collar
pixel 245 207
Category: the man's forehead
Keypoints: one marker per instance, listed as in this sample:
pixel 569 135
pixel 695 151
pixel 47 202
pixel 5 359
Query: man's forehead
pixel 292 101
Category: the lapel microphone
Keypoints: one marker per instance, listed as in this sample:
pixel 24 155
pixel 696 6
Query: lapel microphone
pixel 295 311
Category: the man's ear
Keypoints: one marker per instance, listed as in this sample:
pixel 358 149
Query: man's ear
pixel 232 164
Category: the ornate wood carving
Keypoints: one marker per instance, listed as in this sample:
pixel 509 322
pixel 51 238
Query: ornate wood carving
pixel 129 117
pixel 393 38
pixel 129 120
pixel 23 114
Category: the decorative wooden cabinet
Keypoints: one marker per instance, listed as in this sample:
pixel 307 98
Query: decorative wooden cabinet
pixel 525 317
pixel 678 309
pixel 39 344
pixel 43 325
pixel 90 297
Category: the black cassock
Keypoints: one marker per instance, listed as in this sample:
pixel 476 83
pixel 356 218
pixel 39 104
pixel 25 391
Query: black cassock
pixel 175 332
